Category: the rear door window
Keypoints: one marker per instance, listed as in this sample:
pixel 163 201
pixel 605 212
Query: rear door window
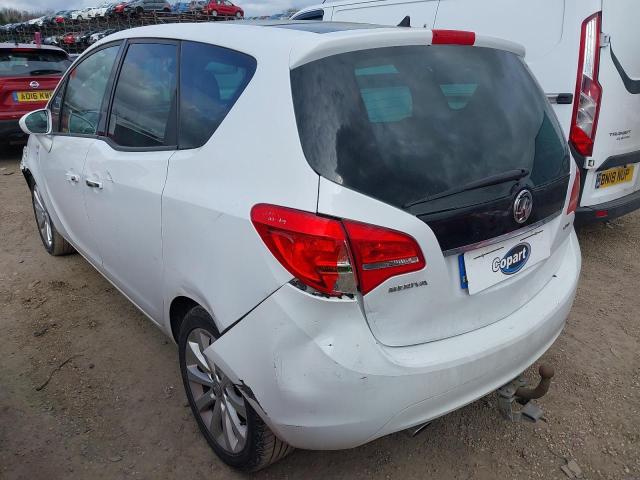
pixel 144 110
pixel 211 81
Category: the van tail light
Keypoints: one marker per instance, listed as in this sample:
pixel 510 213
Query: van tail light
pixel 332 256
pixel 575 194
pixel 588 97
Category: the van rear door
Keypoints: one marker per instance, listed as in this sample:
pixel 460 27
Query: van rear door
pixel 384 12
pixel 616 152
pixel 536 25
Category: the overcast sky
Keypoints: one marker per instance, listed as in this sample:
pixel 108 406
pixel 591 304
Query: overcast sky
pixel 251 7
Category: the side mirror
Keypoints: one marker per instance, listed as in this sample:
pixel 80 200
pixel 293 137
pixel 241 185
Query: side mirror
pixel 37 122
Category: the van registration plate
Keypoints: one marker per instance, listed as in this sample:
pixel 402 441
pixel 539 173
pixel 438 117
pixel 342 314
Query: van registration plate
pixel 614 176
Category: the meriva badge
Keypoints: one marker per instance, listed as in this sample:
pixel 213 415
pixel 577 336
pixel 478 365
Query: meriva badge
pixel 514 260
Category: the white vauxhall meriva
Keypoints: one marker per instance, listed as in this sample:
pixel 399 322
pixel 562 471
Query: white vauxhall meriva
pixel 348 230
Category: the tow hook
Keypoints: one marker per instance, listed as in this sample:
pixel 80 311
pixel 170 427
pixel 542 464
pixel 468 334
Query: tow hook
pixel 517 391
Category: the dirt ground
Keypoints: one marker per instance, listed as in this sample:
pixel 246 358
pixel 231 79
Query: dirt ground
pixel 116 408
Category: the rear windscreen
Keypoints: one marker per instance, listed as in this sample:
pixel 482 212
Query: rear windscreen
pixel 407 123
pixel 25 63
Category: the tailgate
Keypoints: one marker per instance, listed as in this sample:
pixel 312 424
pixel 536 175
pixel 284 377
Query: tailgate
pixel 436 302
pixel 420 142
pixel 617 141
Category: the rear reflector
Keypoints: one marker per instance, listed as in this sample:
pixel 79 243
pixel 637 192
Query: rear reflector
pixel 602 213
pixel 322 252
pixel 575 194
pixel 588 95
pixel 453 37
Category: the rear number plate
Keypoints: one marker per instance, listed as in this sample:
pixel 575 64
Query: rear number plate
pixel 614 176
pixel 495 263
pixel 33 96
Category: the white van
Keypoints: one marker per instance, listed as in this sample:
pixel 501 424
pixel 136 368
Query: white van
pixel 586 56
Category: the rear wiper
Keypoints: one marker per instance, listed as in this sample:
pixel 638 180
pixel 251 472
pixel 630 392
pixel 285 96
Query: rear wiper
pixel 44 72
pixel 484 182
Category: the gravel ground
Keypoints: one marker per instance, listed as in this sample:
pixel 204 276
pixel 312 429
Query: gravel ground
pixel 114 406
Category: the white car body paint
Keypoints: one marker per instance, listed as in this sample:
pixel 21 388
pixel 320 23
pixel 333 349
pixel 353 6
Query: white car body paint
pixel 324 373
pixel 98 11
pixel 549 30
pixel 325 383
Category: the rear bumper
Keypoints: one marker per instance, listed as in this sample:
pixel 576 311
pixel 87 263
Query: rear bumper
pixel 609 210
pixel 312 369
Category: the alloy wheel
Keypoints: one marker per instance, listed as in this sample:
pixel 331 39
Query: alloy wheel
pixel 218 402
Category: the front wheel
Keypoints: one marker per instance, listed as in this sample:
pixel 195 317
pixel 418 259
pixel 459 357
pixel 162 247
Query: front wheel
pixel 54 243
pixel 238 15
pixel 233 429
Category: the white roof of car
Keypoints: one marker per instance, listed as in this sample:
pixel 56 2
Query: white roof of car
pixel 303 41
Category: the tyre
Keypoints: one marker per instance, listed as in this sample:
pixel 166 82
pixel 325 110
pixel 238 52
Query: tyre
pixel 54 243
pixel 213 13
pixel 238 15
pixel 79 18
pixel 233 429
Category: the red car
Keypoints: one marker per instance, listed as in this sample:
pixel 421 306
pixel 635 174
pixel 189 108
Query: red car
pixel 69 39
pixel 222 8
pixel 28 76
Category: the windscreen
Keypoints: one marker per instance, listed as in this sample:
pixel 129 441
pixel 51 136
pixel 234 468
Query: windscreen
pixel 411 123
pixel 25 63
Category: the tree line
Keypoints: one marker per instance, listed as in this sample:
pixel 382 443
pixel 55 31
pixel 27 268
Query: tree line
pixel 13 15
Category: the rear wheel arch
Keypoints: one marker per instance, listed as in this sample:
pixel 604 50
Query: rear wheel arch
pixel 28 176
pixel 210 386
pixel 178 309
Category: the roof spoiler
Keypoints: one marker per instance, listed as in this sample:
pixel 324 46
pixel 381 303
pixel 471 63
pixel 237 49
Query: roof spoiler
pixel 406 22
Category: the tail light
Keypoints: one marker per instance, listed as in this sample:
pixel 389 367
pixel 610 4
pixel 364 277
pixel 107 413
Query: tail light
pixel 575 194
pixel 381 253
pixel 588 91
pixel 335 256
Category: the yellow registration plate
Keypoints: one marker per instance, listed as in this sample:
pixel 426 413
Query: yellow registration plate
pixel 33 96
pixel 614 176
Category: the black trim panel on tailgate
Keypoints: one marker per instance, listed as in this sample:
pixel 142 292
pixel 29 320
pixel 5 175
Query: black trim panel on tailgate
pixel 477 223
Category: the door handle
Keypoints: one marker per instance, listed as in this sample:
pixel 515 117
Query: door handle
pixel 72 177
pixel 93 183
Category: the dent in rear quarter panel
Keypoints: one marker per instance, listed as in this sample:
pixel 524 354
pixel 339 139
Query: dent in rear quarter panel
pixel 211 250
